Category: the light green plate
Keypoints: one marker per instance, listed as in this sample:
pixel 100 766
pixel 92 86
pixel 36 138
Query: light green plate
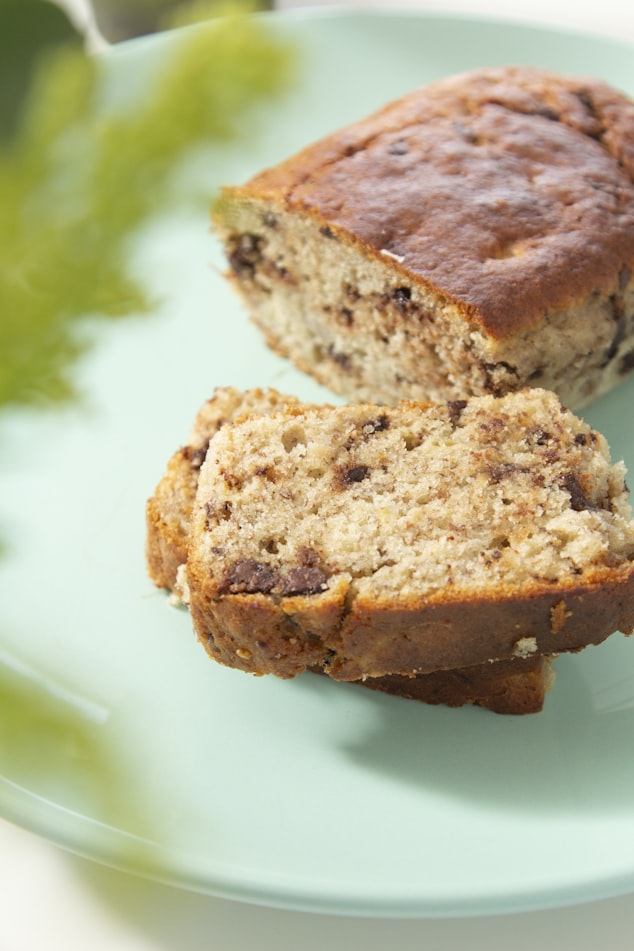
pixel 130 746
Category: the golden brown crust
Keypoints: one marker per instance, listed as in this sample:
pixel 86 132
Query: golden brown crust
pixel 262 635
pixel 445 634
pixel 167 517
pixel 370 640
pixel 508 191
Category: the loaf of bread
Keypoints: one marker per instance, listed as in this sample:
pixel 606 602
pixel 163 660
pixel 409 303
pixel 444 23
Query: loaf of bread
pixel 473 237
pixel 515 687
pixel 373 541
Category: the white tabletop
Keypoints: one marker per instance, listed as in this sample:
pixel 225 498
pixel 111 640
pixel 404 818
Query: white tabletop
pixel 52 900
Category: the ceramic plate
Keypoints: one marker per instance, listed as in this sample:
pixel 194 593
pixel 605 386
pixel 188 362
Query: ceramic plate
pixel 131 747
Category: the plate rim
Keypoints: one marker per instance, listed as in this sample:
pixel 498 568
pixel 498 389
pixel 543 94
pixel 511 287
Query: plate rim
pixel 300 899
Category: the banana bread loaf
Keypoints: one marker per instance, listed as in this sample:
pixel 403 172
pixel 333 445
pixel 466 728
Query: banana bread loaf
pixel 473 237
pixel 372 541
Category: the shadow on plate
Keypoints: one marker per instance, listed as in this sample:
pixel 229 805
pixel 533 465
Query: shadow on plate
pixel 574 756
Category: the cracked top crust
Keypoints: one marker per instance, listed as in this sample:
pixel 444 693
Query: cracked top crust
pixel 510 191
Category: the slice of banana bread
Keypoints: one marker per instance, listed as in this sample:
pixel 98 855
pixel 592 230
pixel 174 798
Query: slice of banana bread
pixel 517 686
pixel 473 237
pixel 513 687
pixel 168 510
pixel 373 541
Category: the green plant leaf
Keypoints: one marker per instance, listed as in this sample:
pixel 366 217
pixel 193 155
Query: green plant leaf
pixel 77 182
pixel 29 28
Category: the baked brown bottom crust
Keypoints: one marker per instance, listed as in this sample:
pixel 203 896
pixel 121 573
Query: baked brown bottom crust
pixel 512 687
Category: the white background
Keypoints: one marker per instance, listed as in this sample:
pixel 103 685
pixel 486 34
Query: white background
pixel 51 900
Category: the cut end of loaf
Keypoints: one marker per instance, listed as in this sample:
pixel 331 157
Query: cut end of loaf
pixel 416 499
pixel 363 325
pixel 472 237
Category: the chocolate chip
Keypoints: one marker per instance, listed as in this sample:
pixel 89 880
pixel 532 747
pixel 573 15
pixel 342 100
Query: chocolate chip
pixel 499 471
pixel 541 436
pixel 579 501
pixel 195 455
pixel 455 408
pixel 617 339
pixel 327 232
pixel 378 425
pixel 303 580
pixel 499 377
pixel 341 359
pixel 215 513
pixel 245 254
pixel 269 220
pixel 249 577
pixel 328 658
pixel 353 474
pixel 402 297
